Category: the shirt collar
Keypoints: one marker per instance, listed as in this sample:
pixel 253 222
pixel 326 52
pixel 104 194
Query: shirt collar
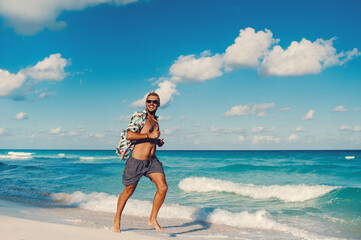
pixel 146 115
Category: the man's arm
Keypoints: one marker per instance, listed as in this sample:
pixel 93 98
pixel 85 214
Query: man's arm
pixel 141 136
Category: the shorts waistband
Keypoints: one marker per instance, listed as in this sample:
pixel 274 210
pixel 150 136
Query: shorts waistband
pixel 152 158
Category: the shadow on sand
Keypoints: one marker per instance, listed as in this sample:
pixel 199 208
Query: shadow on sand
pixel 200 221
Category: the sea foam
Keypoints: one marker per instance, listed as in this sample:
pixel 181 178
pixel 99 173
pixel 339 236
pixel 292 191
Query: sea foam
pixel 286 193
pixel 258 220
pixel 17 155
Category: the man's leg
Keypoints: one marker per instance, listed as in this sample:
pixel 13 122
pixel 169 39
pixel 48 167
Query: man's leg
pixel 122 200
pixel 162 187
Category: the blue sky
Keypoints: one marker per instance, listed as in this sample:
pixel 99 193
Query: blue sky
pixel 231 74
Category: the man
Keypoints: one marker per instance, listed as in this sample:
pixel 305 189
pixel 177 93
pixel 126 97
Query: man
pixel 143 133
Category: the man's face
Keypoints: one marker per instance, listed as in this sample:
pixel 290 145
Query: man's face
pixel 152 103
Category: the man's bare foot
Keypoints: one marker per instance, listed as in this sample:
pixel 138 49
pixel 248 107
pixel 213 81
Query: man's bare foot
pixel 116 226
pixel 156 225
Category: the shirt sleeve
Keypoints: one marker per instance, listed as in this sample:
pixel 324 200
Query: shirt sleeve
pixel 134 124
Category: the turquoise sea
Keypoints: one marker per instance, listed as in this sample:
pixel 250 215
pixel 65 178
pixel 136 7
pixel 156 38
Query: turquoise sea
pixel 292 194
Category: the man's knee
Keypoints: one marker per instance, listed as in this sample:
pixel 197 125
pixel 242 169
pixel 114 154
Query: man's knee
pixel 163 188
pixel 128 191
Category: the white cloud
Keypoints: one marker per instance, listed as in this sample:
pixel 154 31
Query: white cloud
pixel 191 69
pixel 251 47
pixel 345 128
pixel 238 111
pixel 56 130
pixel 79 131
pixel 286 109
pixel 51 68
pixel 257 129
pixel 73 133
pixel 293 137
pixel 9 82
pixel 221 130
pixel 196 124
pixel 29 17
pixel 163 118
pixel 21 116
pixel 272 129
pixel 260 109
pixel 304 57
pixel 309 115
pixel 46 94
pixel 197 141
pixel 257 109
pixel 340 109
pixel 95 135
pixel 241 138
pixel 350 128
pixel 356 128
pixel 166 90
pixel 99 135
pixel 248 48
pixel 258 139
pixel 299 129
pixel 357 109
pixel 172 130
pixel 2 131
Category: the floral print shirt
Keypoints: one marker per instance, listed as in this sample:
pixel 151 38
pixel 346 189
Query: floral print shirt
pixel 125 146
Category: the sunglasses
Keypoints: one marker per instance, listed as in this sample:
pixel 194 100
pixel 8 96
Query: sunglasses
pixel 153 101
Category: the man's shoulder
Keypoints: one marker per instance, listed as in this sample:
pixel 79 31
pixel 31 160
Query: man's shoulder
pixel 139 114
pixel 138 117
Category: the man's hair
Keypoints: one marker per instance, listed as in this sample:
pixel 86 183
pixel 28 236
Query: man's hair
pixel 153 94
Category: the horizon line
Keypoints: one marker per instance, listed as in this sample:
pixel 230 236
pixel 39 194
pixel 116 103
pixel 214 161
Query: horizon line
pixel 74 149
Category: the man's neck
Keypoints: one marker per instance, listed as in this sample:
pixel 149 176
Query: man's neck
pixel 152 114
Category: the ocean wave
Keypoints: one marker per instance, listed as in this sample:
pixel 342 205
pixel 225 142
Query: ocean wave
pixel 106 203
pixel 96 158
pixel 286 193
pixel 344 200
pixel 4 166
pixel 246 167
pixel 259 220
pixel 17 155
pixel 81 159
pixel 24 193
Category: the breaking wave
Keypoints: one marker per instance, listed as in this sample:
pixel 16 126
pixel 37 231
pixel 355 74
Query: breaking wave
pixel 17 155
pixel 286 193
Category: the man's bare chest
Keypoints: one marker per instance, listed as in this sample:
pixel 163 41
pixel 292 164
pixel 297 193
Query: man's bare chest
pixel 149 126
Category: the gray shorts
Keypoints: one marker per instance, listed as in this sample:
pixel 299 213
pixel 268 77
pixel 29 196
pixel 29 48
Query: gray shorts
pixel 135 169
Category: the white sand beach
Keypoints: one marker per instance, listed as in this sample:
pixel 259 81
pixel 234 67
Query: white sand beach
pixel 13 228
pixel 37 220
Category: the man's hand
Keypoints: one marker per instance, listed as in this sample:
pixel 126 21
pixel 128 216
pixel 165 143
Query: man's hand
pixel 160 142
